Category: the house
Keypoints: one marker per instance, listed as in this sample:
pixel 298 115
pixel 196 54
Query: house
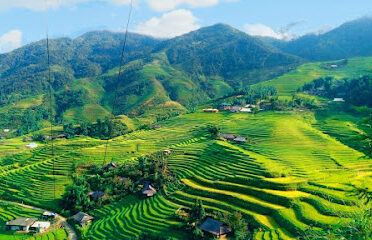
pixel 338 100
pixel 49 215
pixel 156 126
pixel 110 165
pixel 148 189
pixel 334 66
pixel 61 136
pixel 244 109
pixel 83 219
pixel 215 227
pixel 235 109
pixel 212 110
pixel 97 195
pixel 31 145
pixel 6 130
pixel 20 224
pixel 228 136
pixel 240 139
pixel 224 106
pixel 39 226
pixel 27 139
pixel 167 151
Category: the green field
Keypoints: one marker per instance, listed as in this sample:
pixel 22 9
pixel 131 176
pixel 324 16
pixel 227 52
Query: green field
pixel 291 174
pixel 294 172
pixel 288 83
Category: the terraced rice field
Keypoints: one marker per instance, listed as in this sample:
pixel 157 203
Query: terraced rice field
pixel 289 176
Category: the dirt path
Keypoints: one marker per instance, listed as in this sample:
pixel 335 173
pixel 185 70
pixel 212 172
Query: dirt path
pixel 60 220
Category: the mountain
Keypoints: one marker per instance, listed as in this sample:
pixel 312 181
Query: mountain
pixel 221 50
pixel 24 71
pixel 171 75
pixel 351 39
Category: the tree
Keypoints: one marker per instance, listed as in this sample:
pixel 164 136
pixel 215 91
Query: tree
pixel 213 130
pixel 236 221
pixel 68 130
pixel 76 198
pixel 197 212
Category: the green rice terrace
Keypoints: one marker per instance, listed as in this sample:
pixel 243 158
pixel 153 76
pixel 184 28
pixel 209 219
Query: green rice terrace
pixel 292 174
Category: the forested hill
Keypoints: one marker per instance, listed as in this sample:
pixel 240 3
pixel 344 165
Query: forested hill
pixel 221 50
pixel 23 71
pixel 183 71
pixel 351 39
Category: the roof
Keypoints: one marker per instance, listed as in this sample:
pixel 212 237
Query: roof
pixel 111 164
pixel 246 110
pixel 227 135
pixel 31 145
pixel 39 224
pixel 82 217
pixel 96 194
pixel 215 227
pixel 240 139
pixel 22 221
pixel 148 189
pixel 49 214
pixel 338 100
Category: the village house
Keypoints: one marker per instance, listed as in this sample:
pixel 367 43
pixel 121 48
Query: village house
pixel 244 109
pixel 83 219
pixel 6 130
pixel 240 139
pixel 148 190
pixel 228 136
pixel 210 110
pixel 49 215
pixel 27 139
pixel 110 165
pixel 338 100
pixel 97 195
pixel 31 145
pixel 20 224
pixel 235 109
pixel 40 226
pixel 224 106
pixel 215 228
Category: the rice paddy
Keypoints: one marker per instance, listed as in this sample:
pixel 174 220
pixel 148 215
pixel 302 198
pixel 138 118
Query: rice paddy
pixel 290 175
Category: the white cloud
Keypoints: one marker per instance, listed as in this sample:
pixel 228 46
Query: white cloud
pixel 10 41
pixel 171 24
pixel 261 30
pixel 166 5
pixel 158 5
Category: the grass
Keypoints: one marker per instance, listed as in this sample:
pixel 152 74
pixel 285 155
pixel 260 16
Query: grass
pixel 288 83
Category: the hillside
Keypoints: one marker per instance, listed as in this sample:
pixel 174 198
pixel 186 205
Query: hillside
pixel 351 39
pixel 160 79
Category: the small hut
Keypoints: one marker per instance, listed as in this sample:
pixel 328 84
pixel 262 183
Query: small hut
pixel 215 228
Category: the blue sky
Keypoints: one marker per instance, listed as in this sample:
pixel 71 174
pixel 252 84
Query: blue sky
pixel 24 21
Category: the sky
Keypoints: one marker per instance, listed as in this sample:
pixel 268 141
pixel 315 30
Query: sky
pixel 26 21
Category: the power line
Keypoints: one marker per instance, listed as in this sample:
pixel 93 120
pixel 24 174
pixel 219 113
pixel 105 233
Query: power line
pixel 50 99
pixel 118 79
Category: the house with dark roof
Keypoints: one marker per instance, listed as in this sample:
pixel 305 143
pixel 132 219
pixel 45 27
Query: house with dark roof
pixel 20 224
pixel 228 136
pixel 97 195
pixel 215 228
pixel 110 165
pixel 83 219
pixel 148 190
